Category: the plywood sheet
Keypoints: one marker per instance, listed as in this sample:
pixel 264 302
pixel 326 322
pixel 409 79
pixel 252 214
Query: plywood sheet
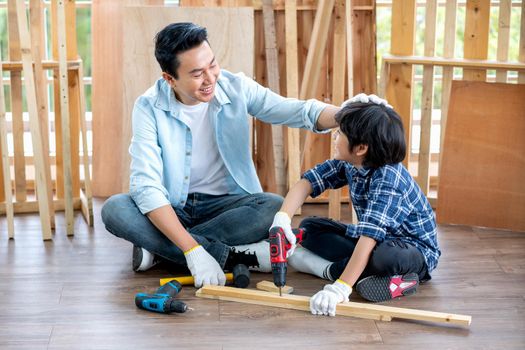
pixel 482 175
pixel 231 37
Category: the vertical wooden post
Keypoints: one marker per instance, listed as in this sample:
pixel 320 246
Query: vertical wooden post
pixel 423 175
pixel 272 69
pixel 399 86
pixel 338 86
pixel 37 48
pixel 86 197
pixel 521 54
pixel 448 72
pixel 6 168
pixel 16 105
pixel 40 175
pixel 364 46
pixel 503 37
pixel 292 90
pixel 476 36
pixel 65 121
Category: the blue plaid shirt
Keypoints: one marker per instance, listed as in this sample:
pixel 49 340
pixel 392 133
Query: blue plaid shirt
pixel 388 202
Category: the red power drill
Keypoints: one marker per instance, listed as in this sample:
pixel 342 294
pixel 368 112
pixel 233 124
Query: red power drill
pixel 279 247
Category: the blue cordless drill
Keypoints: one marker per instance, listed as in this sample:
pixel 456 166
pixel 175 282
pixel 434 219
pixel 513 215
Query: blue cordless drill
pixel 163 301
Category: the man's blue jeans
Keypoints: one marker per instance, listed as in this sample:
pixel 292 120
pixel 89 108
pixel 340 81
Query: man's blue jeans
pixel 216 223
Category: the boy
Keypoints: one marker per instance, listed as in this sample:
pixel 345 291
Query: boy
pixel 394 244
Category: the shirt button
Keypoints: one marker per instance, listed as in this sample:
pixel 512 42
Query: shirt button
pixel 185 178
pixel 188 153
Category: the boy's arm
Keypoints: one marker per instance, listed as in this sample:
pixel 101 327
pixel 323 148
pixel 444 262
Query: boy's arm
pixel 359 260
pixel 296 197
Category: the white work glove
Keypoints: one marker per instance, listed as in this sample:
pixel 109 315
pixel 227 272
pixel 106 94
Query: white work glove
pixel 364 98
pixel 204 268
pixel 282 220
pixel 325 301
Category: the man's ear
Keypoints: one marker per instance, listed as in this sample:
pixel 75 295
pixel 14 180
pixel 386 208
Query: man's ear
pixel 169 79
pixel 361 150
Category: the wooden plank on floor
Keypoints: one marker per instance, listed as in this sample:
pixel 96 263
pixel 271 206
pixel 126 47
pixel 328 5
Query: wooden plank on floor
pixel 481 175
pixel 361 310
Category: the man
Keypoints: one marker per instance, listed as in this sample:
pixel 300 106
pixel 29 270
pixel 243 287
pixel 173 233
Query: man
pixel 194 196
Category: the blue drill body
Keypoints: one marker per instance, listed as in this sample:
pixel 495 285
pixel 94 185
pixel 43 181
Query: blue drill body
pixel 163 301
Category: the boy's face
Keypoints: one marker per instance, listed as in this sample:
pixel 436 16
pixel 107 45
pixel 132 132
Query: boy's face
pixel 342 151
pixel 198 73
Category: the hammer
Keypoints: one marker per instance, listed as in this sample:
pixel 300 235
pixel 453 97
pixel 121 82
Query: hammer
pixel 240 276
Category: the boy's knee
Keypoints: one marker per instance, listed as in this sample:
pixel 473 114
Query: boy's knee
pixel 309 223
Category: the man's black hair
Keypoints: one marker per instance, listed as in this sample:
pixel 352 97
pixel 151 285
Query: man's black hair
pixel 174 39
pixel 377 126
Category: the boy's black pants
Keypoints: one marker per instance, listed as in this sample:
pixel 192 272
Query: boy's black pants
pixel 327 238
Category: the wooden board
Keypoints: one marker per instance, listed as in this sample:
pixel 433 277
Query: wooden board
pixel 230 32
pixel 107 25
pixel 299 302
pixel 271 287
pixel 483 168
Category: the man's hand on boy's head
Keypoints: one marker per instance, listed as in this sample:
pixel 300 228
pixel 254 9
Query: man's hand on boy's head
pixel 364 98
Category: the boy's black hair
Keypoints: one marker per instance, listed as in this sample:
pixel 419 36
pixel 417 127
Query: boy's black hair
pixel 377 126
pixel 174 39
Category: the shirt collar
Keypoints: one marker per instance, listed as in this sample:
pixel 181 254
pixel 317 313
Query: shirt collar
pixel 167 102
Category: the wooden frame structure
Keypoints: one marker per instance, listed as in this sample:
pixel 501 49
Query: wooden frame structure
pixel 26 52
pixel 397 83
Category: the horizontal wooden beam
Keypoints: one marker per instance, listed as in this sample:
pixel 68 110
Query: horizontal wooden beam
pixel 17 65
pixel 32 206
pixel 454 62
pixel 298 302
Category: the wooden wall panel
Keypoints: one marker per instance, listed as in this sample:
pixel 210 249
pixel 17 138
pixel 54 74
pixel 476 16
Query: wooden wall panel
pixel 231 37
pixel 107 38
pixel 483 169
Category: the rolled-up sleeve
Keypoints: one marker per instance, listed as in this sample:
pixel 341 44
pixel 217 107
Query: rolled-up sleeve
pixel 330 174
pixel 272 108
pixel 146 187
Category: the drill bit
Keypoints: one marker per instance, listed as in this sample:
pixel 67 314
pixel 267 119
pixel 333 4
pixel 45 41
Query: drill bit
pixel 280 292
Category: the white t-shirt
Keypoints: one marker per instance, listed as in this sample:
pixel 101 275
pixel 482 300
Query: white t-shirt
pixel 208 172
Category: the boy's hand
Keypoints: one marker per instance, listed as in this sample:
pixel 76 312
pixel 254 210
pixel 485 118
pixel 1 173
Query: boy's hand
pixel 364 98
pixel 325 301
pixel 283 221
pixel 204 268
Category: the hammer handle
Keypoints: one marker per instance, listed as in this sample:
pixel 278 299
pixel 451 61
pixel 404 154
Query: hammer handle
pixel 188 280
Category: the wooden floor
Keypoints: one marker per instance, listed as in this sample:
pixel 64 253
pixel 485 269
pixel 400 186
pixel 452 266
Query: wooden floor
pixel 77 293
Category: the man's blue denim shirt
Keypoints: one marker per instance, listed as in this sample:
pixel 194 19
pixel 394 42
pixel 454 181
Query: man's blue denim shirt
pixel 161 146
